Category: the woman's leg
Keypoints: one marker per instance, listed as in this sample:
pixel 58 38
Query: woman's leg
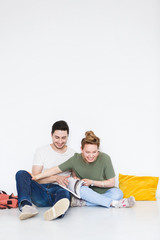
pixel 93 198
pixel 114 194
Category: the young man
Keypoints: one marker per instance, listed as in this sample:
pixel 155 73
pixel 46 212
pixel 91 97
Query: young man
pixel 46 192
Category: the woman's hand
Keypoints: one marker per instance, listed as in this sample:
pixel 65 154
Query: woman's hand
pixel 101 184
pixel 37 177
pixel 87 182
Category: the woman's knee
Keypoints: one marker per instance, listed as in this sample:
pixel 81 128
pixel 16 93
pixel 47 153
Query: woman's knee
pixel 85 192
pixel 118 194
pixel 114 193
pixel 83 189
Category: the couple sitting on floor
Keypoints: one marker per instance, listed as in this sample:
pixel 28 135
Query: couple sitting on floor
pixel 42 187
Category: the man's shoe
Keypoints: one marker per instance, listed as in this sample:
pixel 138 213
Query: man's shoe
pixel 28 212
pixel 76 202
pixel 57 210
pixel 126 202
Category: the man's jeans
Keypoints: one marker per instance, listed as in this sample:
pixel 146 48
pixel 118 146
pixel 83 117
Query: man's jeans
pixel 42 195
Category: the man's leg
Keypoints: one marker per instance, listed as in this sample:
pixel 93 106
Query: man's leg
pixel 59 199
pixel 23 184
pixel 29 191
pixel 42 195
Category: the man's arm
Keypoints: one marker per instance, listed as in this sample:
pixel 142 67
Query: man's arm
pixel 36 169
pixel 63 180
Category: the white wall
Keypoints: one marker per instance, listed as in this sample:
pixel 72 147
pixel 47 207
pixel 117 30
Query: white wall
pixel 92 63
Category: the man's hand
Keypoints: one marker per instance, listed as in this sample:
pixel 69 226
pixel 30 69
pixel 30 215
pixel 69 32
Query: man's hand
pixel 62 180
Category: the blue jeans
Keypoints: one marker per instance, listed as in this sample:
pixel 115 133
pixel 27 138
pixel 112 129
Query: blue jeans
pixel 93 198
pixel 42 195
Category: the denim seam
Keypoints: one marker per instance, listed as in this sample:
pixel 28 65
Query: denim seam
pixel 20 208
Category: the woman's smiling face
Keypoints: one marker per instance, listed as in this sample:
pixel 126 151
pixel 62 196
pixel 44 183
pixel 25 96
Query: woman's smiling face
pixel 90 152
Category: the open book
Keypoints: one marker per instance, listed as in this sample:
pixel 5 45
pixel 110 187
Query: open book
pixel 74 186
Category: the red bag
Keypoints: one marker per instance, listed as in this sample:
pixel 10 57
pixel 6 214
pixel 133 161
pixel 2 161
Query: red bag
pixel 8 201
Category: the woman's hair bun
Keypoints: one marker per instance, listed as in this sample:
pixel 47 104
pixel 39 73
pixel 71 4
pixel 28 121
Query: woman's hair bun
pixel 90 138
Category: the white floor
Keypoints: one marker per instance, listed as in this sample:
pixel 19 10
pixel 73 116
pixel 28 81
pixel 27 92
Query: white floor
pixel 140 222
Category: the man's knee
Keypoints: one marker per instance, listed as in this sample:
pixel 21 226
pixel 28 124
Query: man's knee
pixel 64 193
pixel 21 174
pixel 67 194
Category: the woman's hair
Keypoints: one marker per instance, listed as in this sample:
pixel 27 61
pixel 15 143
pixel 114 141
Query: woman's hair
pixel 90 138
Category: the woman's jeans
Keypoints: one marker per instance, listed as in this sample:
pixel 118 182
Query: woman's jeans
pixel 93 198
pixel 42 195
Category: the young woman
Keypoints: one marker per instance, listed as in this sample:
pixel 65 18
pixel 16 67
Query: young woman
pixel 96 169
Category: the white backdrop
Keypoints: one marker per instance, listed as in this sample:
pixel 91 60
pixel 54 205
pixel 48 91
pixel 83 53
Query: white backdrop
pixel 92 63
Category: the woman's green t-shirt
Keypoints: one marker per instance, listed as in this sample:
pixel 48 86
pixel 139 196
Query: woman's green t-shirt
pixel 99 170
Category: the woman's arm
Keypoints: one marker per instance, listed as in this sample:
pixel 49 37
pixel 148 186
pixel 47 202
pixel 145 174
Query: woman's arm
pixel 102 184
pixel 62 180
pixel 47 173
pixel 37 170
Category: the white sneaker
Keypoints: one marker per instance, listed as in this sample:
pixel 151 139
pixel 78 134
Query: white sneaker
pixel 28 212
pixel 57 210
pixel 126 202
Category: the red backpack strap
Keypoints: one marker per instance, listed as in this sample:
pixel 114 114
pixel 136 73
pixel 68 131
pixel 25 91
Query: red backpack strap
pixel 12 196
pixel 2 192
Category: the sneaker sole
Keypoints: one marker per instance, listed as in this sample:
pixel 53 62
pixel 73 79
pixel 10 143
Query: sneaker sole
pixel 57 210
pixel 24 216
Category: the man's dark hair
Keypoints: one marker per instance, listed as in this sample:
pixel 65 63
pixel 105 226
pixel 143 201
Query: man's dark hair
pixel 60 125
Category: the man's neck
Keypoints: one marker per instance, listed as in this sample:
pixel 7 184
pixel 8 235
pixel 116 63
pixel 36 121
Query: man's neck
pixel 59 150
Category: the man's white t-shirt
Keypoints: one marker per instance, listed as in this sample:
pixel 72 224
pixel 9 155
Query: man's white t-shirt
pixel 47 157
